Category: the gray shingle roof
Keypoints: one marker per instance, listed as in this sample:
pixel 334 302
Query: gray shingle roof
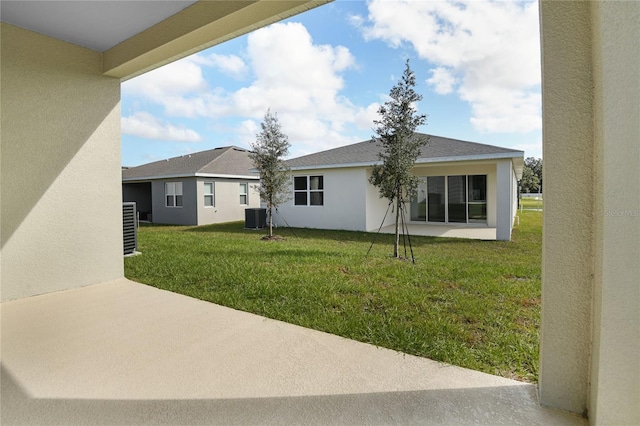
pixel 438 149
pixel 228 160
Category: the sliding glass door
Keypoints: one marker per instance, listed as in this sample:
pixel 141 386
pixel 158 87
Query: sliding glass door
pixel 419 205
pixel 451 199
pixel 436 199
pixel 457 198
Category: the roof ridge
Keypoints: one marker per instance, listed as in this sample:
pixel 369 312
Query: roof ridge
pixel 466 141
pixel 225 149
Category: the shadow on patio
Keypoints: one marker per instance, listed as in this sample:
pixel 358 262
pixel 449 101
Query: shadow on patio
pixel 126 353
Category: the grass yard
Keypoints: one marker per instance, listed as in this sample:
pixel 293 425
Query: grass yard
pixel 470 303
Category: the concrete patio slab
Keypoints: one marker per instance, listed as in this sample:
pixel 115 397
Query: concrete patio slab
pixel 451 231
pixel 126 353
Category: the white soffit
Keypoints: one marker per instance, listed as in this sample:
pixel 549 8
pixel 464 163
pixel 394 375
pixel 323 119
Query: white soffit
pixel 95 24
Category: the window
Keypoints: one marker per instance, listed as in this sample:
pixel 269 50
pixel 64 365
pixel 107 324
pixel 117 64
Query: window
pixel 209 194
pixel 173 194
pixel 244 194
pixel 308 190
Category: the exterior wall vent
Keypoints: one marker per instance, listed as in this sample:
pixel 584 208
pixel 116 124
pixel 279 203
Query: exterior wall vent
pixel 129 228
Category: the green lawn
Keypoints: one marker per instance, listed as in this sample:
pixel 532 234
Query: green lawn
pixel 471 303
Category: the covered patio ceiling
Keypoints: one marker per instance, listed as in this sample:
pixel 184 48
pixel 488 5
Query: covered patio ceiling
pixel 97 25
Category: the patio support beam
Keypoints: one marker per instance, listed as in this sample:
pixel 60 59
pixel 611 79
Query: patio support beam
pixel 197 27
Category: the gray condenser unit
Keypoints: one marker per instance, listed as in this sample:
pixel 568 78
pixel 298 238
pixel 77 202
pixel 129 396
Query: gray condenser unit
pixel 255 218
pixel 129 228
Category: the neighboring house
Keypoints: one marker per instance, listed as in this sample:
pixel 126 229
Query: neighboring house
pixel 461 183
pixel 206 187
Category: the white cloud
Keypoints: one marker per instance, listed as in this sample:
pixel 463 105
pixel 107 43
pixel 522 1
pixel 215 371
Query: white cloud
pixel 231 65
pixel 442 80
pixel 145 125
pixel 356 20
pixel 299 80
pixel 365 116
pixel 294 75
pixel 487 51
pixel 170 81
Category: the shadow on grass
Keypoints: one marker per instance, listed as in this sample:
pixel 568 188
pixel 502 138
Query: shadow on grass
pixel 293 253
pixel 331 235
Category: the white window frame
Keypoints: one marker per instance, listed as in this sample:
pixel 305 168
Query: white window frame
pixel 244 194
pixel 173 192
pixel 308 191
pixel 212 194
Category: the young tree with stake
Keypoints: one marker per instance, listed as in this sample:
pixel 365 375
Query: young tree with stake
pixel 395 131
pixel 269 151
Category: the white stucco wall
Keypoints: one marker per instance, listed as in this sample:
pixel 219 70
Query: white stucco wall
pixel 352 203
pixel 376 208
pixel 344 202
pixel 590 330
pixel 61 206
pixel 227 200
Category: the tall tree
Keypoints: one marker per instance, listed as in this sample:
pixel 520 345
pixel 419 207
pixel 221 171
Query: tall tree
pixel 269 151
pixel 531 181
pixel 395 131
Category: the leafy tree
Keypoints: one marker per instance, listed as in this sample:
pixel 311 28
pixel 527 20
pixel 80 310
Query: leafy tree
pixel 269 151
pixel 531 181
pixel 395 131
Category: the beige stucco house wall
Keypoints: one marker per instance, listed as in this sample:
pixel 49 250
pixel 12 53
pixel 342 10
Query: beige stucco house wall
pixel 61 224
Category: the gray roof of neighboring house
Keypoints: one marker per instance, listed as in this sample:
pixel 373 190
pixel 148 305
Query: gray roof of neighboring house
pixel 439 149
pixel 230 160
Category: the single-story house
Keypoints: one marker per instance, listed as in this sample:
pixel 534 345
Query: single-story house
pixel 206 187
pixel 462 184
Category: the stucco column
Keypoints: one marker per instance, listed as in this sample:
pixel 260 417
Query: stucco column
pixel 590 331
pixel 567 263
pixel 615 363
pixel 503 200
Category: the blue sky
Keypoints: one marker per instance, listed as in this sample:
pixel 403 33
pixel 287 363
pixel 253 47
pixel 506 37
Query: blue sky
pixel 326 71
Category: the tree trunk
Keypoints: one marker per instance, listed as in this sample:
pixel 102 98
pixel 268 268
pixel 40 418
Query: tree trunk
pixel 270 222
pixel 396 242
